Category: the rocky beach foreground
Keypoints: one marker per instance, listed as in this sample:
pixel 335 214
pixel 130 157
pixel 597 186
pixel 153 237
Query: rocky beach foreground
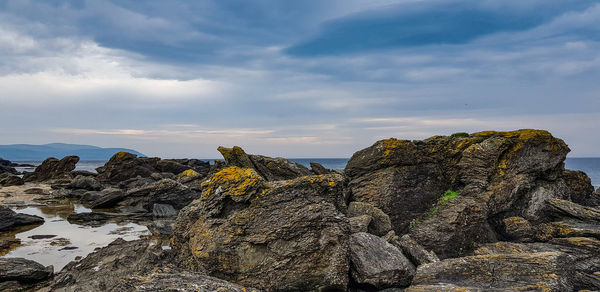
pixel 488 211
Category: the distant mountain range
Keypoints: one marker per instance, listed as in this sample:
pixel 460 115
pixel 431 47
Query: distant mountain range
pixel 22 152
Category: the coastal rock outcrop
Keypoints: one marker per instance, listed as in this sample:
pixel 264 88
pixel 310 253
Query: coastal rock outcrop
pixel 272 169
pixel 53 169
pixel 451 192
pixel 288 235
pixel 124 166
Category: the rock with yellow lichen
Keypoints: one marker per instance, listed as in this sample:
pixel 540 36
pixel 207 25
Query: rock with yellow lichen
pixel 272 169
pixel 280 236
pixel 497 174
pixel 540 271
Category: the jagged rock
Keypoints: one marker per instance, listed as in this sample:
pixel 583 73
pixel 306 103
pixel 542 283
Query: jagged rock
pixel 85 183
pixel 411 249
pixel 572 228
pixel 106 268
pixel 165 191
pixel 317 168
pixel 123 166
pixel 275 236
pixel 380 224
pixel 360 223
pixel 23 270
pixel 77 173
pixel 545 271
pixel 90 196
pixel 108 198
pixel 377 263
pixel 495 173
pixel 163 210
pixel 10 219
pixel 53 169
pixel 580 188
pixel 8 179
pixel 272 169
pixel 584 252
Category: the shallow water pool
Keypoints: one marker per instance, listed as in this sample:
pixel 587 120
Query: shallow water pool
pixel 69 240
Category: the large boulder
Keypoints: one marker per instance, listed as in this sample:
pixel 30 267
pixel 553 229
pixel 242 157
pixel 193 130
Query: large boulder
pixel 543 271
pixel 272 169
pixel 289 235
pixel 53 169
pixel 10 219
pixel 378 264
pixel 493 174
pixel 23 270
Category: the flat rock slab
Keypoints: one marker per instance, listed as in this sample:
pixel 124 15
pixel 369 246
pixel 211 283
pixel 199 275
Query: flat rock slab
pixel 547 271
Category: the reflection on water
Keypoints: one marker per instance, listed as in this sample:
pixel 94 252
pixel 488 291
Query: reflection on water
pixel 70 240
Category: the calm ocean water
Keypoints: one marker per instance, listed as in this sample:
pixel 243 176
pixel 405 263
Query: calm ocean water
pixel 591 166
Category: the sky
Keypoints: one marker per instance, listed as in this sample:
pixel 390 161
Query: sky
pixel 309 78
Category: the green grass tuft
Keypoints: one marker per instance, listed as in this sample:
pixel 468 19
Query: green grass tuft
pixel 448 195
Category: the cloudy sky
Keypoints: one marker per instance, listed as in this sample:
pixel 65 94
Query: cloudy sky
pixel 309 78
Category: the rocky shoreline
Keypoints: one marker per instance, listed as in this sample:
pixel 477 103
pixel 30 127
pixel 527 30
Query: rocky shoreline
pixel 488 211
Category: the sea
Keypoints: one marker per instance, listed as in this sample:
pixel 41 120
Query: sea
pixel 591 166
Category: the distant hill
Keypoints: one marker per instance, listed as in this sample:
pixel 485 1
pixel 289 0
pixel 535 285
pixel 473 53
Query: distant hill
pixel 23 152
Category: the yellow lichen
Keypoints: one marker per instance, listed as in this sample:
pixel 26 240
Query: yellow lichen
pixel 121 154
pixel 188 173
pixel 233 180
pixel 391 144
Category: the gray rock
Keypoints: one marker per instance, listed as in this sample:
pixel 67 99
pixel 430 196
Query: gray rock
pixel 8 179
pixel 108 199
pixel 360 223
pixel 85 183
pixel 165 279
pixel 317 168
pixel 163 210
pixel 377 263
pixel 23 270
pixel 107 267
pixel 412 249
pixel 10 219
pixel 380 224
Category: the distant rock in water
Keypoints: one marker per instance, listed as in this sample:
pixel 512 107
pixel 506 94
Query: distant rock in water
pixel 41 152
pixel 53 169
